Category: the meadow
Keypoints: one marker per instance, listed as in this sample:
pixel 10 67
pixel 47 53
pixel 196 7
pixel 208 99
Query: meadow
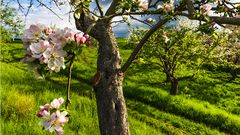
pixel 206 104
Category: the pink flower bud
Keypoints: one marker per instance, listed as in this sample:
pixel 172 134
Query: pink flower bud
pixel 86 36
pixel 88 42
pixel 82 40
pixel 48 31
pixel 40 114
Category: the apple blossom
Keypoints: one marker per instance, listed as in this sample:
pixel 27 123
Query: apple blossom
pixel 52 118
pixel 143 4
pixel 159 7
pixel 33 33
pixel 125 17
pixel 38 48
pixel 56 103
pixel 46 45
pixel 167 7
pixel 48 31
pixel 206 8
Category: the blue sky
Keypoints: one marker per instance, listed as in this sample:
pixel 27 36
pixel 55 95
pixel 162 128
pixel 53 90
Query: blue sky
pixel 44 16
pixel 39 14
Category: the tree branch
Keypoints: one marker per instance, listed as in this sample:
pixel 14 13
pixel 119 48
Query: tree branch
pixel 134 18
pixel 99 8
pixel 217 19
pixel 190 7
pixel 41 3
pixel 112 9
pixel 142 42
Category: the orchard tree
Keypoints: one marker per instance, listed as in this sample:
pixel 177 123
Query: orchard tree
pixel 11 23
pixel 233 46
pixel 226 55
pixel 172 49
pixel 96 20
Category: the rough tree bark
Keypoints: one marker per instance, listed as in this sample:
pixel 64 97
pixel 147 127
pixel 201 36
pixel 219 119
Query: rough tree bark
pixel 112 112
pixel 107 82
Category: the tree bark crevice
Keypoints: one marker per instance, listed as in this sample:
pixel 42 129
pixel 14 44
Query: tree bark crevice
pixel 109 94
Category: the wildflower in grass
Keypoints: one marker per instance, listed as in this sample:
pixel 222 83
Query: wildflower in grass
pixel 46 46
pixel 52 118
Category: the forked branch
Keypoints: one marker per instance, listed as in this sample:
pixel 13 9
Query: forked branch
pixel 142 42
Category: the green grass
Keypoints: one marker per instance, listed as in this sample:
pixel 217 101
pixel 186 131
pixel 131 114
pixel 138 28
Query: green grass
pixel 206 104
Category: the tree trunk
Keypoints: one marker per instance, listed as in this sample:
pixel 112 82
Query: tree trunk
pixel 174 86
pixel 168 77
pixel 112 112
pixel 233 72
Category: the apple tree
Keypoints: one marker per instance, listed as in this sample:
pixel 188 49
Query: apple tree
pixel 95 19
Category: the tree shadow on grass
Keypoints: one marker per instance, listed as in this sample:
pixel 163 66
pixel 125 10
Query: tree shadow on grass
pixel 13 55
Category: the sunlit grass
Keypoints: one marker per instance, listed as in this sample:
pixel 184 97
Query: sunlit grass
pixel 206 104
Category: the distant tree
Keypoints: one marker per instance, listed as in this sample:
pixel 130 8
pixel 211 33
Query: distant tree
pixel 226 56
pixel 11 23
pixel 172 49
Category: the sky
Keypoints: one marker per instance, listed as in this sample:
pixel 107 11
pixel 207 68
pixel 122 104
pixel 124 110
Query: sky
pixel 40 14
pixel 45 16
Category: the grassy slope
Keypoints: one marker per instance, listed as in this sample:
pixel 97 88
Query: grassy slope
pixel 151 110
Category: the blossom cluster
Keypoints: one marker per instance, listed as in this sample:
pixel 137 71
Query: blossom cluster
pixel 53 118
pixel 45 45
pixel 143 4
pixel 206 8
pixel 167 6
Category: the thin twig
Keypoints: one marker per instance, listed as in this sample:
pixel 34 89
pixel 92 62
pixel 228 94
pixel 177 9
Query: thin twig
pixel 144 22
pixel 68 101
pixel 49 9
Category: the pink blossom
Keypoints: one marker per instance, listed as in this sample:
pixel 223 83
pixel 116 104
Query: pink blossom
pixel 53 120
pixel 48 31
pixel 167 7
pixel 43 110
pixel 59 130
pixel 59 37
pixel 55 103
pixel 206 8
pixel 143 4
pixel 46 44
pixel 38 48
pixel 82 40
pixel 54 57
pixel 61 117
pixel 61 100
pixel 86 36
pixel 69 34
pixel 34 32
pixel 88 42
pixel 79 38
